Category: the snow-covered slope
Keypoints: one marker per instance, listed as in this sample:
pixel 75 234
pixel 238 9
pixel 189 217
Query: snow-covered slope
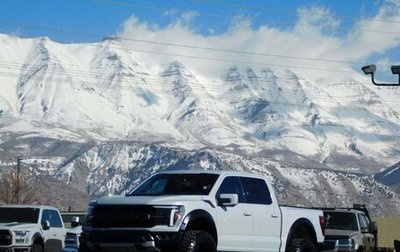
pixel 116 168
pixel 92 94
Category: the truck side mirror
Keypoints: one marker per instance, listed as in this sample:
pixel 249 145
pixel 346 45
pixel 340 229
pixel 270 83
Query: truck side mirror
pixel 75 222
pixel 228 199
pixel 46 225
pixel 373 227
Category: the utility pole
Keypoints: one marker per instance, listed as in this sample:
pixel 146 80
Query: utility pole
pixel 18 173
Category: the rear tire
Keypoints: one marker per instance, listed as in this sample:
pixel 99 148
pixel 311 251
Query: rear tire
pixel 302 245
pixel 197 241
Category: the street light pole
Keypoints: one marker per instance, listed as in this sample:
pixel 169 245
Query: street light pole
pixel 396 70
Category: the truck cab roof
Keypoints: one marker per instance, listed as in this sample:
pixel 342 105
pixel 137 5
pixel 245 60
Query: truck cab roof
pixel 28 206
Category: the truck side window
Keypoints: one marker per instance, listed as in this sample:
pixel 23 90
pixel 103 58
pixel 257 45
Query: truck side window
pixel 256 191
pixel 53 217
pixel 232 185
pixel 364 223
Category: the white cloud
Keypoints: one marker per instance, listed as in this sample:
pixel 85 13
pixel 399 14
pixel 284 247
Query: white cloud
pixel 376 35
pixel 316 20
pixel 308 39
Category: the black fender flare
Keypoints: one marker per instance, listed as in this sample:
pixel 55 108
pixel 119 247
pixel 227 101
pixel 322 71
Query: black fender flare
pixel 37 238
pixel 304 225
pixel 207 223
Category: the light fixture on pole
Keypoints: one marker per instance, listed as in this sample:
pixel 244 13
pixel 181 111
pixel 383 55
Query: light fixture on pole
pixel 371 69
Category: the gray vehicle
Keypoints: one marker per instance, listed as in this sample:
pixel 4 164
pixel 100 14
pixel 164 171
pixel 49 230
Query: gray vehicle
pixel 72 238
pixel 349 229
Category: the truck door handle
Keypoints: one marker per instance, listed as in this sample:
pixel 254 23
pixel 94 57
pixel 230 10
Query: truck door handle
pixel 274 215
pixel 247 214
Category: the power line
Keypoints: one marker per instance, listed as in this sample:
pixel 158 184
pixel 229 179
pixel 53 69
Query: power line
pixel 223 60
pixel 117 3
pixel 198 47
pixel 195 47
pixel 159 84
pixel 87 74
pixel 242 6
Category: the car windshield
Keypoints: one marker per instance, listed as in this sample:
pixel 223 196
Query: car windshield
pixel 24 215
pixel 176 184
pixel 341 220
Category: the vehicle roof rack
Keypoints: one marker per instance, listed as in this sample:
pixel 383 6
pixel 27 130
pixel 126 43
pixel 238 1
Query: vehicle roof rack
pixel 359 207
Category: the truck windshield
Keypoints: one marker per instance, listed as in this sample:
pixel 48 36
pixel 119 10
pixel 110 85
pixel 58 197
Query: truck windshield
pixel 176 184
pixel 341 220
pixel 16 214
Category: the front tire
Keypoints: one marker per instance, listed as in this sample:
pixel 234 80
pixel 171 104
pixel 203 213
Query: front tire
pixel 302 245
pixel 37 248
pixel 197 241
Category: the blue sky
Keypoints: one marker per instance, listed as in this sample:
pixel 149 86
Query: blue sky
pixel 353 33
pixel 106 17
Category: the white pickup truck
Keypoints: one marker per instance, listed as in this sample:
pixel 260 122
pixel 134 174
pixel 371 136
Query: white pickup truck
pixel 201 211
pixel 33 228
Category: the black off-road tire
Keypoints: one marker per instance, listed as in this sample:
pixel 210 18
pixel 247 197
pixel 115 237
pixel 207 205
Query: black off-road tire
pixel 37 248
pixel 302 245
pixel 197 241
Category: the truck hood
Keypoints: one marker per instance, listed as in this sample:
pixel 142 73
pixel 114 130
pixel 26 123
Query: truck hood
pixel 338 233
pixel 149 200
pixel 18 226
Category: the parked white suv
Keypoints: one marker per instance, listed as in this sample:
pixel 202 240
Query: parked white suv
pixel 201 211
pixel 25 228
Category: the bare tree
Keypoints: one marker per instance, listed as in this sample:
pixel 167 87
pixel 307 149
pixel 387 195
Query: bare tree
pixel 17 187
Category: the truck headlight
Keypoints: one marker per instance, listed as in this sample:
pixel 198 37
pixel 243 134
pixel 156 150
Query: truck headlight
pixel 21 236
pixel 175 215
pixel 166 215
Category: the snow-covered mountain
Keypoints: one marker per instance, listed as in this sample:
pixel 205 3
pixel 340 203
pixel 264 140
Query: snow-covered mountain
pixel 69 105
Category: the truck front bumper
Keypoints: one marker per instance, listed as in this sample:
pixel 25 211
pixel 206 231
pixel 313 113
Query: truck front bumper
pixel 127 240
pixel 15 249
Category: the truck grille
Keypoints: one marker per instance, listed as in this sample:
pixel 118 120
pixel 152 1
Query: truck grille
pixel 330 245
pixel 5 238
pixel 71 240
pixel 130 216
